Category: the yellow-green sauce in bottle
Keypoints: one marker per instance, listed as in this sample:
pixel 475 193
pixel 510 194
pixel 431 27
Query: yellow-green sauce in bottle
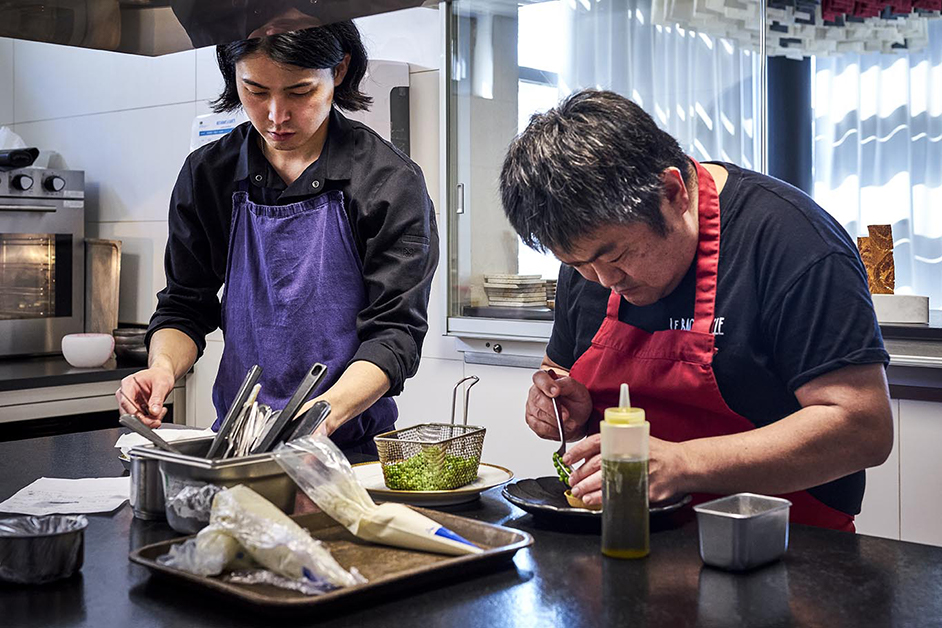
pixel 625 517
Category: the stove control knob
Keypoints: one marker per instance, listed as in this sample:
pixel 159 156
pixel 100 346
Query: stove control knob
pixel 22 182
pixel 54 184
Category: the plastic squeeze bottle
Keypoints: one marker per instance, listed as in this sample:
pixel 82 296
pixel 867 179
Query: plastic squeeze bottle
pixel 625 434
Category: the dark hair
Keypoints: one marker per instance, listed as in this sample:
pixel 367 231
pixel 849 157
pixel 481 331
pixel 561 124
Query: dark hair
pixel 313 48
pixel 595 159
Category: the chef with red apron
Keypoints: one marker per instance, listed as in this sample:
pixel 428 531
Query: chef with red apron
pixel 774 385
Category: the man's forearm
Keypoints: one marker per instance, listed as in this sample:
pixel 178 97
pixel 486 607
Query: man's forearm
pixel 815 445
pixel 173 350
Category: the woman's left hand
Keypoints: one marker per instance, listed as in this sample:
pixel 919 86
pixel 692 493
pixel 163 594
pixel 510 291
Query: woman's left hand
pixel 667 466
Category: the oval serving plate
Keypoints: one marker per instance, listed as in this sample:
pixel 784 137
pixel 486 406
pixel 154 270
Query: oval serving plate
pixel 544 496
pixel 370 475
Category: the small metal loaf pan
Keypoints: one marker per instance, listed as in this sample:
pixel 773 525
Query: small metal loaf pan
pixel 190 471
pixel 743 531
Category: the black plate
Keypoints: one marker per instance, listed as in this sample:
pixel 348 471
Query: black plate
pixel 544 496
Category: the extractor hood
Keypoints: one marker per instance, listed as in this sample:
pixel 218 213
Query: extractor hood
pixel 156 27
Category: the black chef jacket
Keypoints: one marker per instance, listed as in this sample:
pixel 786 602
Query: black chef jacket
pixel 390 213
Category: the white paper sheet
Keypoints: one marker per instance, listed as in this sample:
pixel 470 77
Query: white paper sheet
pixel 132 439
pixel 48 496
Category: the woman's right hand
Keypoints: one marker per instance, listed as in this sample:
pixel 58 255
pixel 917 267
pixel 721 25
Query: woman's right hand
pixel 575 406
pixel 146 389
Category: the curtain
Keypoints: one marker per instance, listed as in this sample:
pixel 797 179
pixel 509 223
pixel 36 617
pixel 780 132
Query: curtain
pixel 878 153
pixel 698 88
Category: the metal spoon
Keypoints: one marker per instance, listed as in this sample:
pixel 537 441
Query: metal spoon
pixel 132 422
pixel 559 417
pixel 562 468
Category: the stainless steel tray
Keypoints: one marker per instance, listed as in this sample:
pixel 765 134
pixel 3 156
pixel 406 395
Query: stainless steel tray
pixel 193 464
pixel 189 468
pixel 387 569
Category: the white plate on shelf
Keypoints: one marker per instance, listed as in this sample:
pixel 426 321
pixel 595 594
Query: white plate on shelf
pixel 370 475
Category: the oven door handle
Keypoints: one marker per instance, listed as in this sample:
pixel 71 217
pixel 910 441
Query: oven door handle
pixel 28 208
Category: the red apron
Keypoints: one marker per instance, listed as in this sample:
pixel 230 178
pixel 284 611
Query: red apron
pixel 670 372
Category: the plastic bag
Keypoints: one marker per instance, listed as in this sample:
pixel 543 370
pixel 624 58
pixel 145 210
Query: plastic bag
pixel 325 475
pixel 245 531
pixel 188 503
pixel 263 576
pixel 9 139
pixel 209 554
pixel 275 541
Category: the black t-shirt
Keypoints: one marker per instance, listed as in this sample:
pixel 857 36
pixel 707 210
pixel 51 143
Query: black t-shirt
pixel 389 212
pixel 791 305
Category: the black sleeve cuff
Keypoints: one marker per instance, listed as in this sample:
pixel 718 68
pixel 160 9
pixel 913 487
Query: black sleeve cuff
pixel 197 336
pixel 869 355
pixel 387 360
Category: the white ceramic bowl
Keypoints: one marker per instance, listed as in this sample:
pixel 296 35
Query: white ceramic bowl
pixel 87 350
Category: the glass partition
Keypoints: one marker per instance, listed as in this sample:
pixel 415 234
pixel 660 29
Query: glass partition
pixel 510 60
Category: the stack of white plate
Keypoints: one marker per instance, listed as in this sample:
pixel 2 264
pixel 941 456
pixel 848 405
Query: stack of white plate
pixel 505 290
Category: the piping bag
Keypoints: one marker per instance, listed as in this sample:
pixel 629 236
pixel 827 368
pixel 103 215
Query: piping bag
pixel 325 476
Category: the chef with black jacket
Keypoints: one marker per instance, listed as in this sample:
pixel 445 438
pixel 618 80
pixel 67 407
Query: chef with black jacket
pixel 322 233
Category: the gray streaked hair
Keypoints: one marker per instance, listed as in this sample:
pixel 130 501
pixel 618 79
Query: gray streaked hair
pixel 594 159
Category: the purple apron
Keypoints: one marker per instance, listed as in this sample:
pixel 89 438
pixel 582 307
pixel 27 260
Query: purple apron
pixel 294 287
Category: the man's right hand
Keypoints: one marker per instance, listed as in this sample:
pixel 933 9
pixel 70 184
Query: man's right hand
pixel 146 389
pixel 575 406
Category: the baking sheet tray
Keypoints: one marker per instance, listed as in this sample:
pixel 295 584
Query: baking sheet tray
pixel 387 569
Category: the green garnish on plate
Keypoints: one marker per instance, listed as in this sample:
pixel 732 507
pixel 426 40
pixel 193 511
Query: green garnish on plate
pixel 562 468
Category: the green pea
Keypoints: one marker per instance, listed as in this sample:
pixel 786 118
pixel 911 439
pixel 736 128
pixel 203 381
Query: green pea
pixel 421 472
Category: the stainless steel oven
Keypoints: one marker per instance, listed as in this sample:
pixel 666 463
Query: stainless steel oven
pixel 42 259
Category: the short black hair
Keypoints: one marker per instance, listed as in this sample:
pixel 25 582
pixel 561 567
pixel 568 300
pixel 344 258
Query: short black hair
pixel 314 48
pixel 594 159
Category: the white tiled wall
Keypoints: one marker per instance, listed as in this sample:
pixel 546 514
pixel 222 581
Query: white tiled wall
pixel 208 80
pixel 131 158
pixel 48 80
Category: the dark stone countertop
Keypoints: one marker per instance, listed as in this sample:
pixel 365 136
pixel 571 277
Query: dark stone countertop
pixel 903 331
pixel 41 372
pixel 827 578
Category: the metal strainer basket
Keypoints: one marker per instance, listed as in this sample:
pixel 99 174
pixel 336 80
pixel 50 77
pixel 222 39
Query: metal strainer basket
pixel 432 456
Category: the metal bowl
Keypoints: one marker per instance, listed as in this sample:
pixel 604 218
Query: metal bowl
pixel 34 550
pixel 130 332
pixel 136 354
pixel 129 345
